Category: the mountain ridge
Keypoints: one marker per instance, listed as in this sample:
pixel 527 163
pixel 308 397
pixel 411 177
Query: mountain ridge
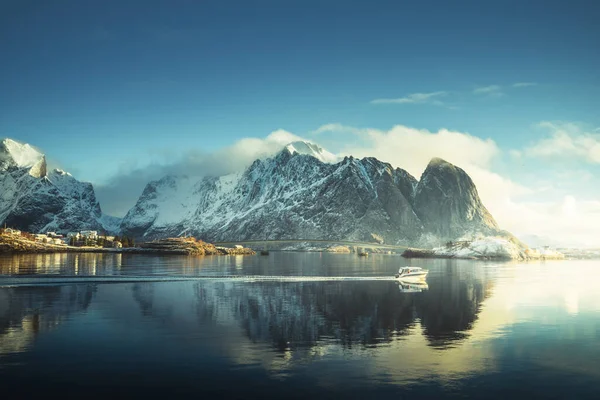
pixel 35 199
pixel 294 194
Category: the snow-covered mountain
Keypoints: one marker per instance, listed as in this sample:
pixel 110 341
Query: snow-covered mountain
pixel 304 192
pixel 34 199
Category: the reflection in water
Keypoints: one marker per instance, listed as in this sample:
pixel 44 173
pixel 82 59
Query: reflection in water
pixel 451 305
pixel 88 264
pixel 26 312
pixel 290 315
pixel 471 326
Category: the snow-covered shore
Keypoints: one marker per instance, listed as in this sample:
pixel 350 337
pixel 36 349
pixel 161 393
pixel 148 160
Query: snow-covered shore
pixel 485 248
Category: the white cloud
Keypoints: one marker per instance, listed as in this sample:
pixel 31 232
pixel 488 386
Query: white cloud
pixel 414 98
pixel 412 148
pixel 523 84
pixel 120 193
pixel 491 90
pixel 567 140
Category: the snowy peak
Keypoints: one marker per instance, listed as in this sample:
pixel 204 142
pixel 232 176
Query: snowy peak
pixel 311 149
pixel 21 154
pixel 34 199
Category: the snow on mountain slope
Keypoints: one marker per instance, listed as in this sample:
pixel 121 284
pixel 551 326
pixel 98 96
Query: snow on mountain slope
pixel 292 195
pixel 296 194
pixel 21 154
pixel 35 200
pixel 311 149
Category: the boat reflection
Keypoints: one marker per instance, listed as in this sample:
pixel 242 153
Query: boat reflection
pixel 412 287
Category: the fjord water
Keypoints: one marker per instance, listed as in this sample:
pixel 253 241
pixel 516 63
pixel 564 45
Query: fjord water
pixel 315 324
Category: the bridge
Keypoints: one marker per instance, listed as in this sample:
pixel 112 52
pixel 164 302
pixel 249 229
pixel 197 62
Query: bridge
pixel 265 244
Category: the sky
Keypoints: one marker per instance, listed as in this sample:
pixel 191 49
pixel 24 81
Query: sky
pixel 121 92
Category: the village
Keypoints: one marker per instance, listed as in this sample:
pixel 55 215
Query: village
pixel 16 241
pixel 86 238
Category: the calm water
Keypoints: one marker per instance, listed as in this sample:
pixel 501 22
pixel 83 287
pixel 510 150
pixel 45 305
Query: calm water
pixel 483 330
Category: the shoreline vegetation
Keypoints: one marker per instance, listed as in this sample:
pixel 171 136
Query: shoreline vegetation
pixel 170 246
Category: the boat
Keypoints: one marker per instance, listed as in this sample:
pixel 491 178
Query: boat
pixel 411 274
pixel 264 252
pixel 363 254
pixel 412 287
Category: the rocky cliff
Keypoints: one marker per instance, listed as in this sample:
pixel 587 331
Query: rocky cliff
pixel 34 199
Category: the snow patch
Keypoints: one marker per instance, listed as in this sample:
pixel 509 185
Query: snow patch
pixel 22 154
pixel 311 149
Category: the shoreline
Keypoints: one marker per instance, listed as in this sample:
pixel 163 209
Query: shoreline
pixel 170 246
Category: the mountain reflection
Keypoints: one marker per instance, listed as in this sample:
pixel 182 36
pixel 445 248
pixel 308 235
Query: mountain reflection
pixel 26 312
pixel 290 315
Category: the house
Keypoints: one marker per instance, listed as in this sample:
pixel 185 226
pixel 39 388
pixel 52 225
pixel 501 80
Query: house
pixel 12 231
pixel 57 241
pixel 54 235
pixel 89 234
pixel 109 238
pixel 41 238
pixel 237 246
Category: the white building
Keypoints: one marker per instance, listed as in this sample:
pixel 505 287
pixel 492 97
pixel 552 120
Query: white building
pixel 89 234
pixel 12 231
pixel 41 238
pixel 54 235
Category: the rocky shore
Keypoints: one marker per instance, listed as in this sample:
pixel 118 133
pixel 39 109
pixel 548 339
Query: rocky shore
pixel 189 246
pixel 170 246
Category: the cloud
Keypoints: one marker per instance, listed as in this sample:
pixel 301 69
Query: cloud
pixel 414 98
pixel 120 192
pixel 523 84
pixel 412 148
pixel 566 141
pixel 492 91
pixel 336 127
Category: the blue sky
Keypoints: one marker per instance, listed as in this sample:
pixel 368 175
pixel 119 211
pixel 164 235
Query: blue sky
pixel 104 87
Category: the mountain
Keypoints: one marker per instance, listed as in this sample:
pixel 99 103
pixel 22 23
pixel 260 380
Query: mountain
pixel 304 192
pixel 447 202
pixel 34 199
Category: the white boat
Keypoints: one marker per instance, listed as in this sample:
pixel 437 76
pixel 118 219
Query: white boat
pixel 412 274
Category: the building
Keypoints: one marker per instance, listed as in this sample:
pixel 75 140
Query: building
pixel 12 231
pixel 117 244
pixel 54 235
pixel 237 246
pixel 109 238
pixel 41 238
pixel 75 235
pixel 57 241
pixel 89 234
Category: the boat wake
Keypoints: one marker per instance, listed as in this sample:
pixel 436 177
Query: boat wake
pixel 12 281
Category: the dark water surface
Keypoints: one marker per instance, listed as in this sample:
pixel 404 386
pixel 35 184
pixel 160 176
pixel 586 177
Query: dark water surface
pixel 316 325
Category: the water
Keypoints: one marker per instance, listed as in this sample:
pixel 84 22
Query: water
pixel 294 325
